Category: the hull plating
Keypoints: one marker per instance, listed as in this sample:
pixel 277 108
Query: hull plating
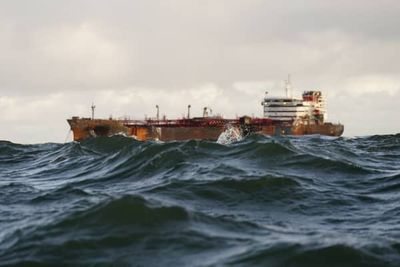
pixel 196 129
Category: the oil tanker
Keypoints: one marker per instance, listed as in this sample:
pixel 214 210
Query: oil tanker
pixel 282 116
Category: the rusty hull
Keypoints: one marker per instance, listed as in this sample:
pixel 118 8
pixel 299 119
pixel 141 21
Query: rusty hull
pixel 197 128
pixel 84 128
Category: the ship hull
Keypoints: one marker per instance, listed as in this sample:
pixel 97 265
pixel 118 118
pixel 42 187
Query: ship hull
pixel 328 129
pixel 206 129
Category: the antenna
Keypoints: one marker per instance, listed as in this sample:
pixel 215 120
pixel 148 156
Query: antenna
pixel 158 112
pixel 93 107
pixel 290 85
pixel 287 87
pixel 205 114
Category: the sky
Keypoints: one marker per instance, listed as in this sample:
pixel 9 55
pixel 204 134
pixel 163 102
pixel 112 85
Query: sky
pixel 57 57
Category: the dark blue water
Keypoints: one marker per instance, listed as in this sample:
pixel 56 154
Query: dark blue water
pixel 292 201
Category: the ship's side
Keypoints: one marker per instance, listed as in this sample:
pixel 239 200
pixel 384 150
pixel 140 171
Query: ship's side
pixel 84 128
pixel 186 129
pixel 200 129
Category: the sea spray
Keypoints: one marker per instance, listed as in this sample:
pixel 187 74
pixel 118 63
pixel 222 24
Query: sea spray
pixel 229 135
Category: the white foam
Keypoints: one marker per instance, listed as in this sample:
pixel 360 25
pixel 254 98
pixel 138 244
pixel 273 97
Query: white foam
pixel 230 135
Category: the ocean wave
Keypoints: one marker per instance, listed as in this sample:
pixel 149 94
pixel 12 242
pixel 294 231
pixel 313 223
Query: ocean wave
pixel 299 255
pixel 276 201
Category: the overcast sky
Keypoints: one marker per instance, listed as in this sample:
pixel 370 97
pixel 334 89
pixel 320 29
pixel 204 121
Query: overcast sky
pixel 56 57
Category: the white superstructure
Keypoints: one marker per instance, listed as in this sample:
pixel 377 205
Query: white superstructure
pixel 310 106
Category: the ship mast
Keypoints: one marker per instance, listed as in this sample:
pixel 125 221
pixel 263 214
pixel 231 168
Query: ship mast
pixel 93 107
pixel 287 86
pixel 158 112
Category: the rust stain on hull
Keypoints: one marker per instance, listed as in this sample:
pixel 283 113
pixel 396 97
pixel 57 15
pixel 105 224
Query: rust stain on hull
pixel 198 128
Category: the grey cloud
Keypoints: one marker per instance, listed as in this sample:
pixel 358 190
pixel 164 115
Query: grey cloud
pixel 177 44
pixel 82 48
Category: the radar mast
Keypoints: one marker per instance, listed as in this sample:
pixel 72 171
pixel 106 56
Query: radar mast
pixel 93 107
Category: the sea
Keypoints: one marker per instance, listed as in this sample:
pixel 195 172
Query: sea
pixel 259 201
